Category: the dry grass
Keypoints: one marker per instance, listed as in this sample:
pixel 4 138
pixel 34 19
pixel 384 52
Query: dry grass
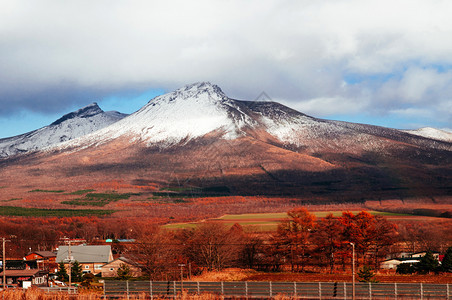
pixel 36 294
pixel 231 274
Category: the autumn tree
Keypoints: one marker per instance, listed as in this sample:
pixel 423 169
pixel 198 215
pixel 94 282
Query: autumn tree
pixel 372 235
pixel 157 251
pixel 294 235
pixel 328 239
pixel 384 236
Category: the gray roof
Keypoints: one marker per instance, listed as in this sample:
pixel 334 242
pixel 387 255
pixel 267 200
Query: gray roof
pixel 86 254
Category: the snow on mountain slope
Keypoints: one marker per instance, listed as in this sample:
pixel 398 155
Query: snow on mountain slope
pixel 202 108
pixel 187 113
pixel 432 133
pixel 72 125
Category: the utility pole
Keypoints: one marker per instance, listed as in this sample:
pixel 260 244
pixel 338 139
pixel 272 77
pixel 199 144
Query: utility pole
pixel 181 277
pixel 69 257
pixel 353 270
pixel 4 266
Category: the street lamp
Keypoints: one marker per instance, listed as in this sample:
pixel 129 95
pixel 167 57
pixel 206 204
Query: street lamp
pixel 353 270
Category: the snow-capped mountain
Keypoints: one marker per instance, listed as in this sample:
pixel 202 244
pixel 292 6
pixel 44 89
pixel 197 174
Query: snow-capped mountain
pixel 198 137
pixel 201 109
pixel 72 125
pixel 185 114
pixel 432 133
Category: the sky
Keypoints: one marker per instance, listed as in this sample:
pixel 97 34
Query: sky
pixel 382 62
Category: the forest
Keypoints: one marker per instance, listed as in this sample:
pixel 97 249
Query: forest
pixel 301 243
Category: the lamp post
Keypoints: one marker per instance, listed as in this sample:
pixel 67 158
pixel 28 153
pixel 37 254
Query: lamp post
pixel 353 270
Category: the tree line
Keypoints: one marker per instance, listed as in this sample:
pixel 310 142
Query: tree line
pixel 300 243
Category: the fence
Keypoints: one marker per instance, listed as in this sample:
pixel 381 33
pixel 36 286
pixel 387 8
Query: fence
pixel 56 289
pixel 310 290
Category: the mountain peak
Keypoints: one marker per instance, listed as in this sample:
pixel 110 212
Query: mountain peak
pixel 72 125
pixel 198 90
pixel 85 112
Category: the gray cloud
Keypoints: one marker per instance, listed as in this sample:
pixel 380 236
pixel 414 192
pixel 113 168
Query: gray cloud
pixel 57 53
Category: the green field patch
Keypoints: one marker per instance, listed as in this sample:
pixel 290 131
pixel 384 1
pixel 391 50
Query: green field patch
pixel 161 200
pixel 99 199
pixel 80 192
pixel 181 225
pixel 193 192
pixel 12 199
pixel 39 212
pixel 45 191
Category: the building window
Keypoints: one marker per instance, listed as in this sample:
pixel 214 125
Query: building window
pixel 39 280
pixel 86 267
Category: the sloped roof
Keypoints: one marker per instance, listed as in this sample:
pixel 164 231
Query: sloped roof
pixel 86 254
pixel 25 273
pixel 126 260
pixel 43 253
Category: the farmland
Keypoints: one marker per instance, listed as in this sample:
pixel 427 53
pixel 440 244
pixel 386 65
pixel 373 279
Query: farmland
pixel 269 221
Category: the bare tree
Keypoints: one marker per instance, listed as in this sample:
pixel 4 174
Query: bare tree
pixel 213 245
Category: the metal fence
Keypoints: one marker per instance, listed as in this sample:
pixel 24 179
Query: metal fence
pixel 309 290
pixel 56 289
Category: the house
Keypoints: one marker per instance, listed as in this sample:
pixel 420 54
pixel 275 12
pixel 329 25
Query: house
pixel 90 257
pixel 20 264
pixel 19 277
pixel 41 256
pixel 392 264
pixel 45 260
pixel 422 254
pixel 110 269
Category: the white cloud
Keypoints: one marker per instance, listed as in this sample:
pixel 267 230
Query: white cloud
pixel 294 50
pixel 321 107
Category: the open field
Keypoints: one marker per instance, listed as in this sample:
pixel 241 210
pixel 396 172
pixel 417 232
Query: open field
pixel 233 274
pixel 269 221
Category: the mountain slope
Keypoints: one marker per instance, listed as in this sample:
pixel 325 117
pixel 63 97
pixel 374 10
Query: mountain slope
pixel 72 125
pixel 202 109
pixel 198 138
pixel 432 133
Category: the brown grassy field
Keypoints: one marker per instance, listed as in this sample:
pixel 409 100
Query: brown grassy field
pixel 252 275
pixel 36 294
